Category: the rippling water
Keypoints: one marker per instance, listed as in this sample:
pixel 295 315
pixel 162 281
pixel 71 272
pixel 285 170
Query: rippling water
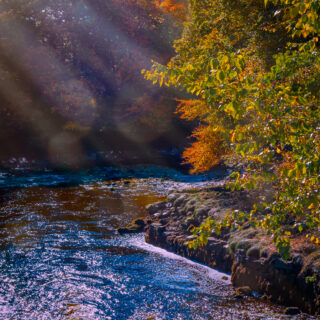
pixel 61 258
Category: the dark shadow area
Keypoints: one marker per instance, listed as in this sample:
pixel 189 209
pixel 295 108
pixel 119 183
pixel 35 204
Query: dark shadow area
pixel 71 86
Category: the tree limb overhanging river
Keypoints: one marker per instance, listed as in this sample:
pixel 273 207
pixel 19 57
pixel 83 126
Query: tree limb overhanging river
pixel 61 257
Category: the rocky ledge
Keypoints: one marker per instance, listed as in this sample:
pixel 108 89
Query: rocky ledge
pixel 249 255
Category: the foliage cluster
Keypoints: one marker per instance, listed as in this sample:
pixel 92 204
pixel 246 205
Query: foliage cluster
pixel 254 69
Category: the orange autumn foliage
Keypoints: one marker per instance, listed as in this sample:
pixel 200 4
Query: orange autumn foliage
pixel 175 8
pixel 206 151
pixel 209 147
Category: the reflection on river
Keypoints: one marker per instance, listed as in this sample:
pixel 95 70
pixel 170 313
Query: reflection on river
pixel 61 258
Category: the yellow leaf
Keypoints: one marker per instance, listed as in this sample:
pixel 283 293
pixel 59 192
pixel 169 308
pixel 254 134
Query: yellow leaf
pixel 233 136
pixel 311 206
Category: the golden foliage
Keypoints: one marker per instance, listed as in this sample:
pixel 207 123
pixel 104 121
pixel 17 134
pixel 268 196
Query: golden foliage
pixel 175 8
pixel 206 151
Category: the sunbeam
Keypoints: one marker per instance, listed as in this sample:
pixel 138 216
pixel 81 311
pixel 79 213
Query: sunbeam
pixel 71 72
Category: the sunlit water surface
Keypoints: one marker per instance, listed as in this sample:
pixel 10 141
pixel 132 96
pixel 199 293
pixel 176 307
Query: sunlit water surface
pixel 61 257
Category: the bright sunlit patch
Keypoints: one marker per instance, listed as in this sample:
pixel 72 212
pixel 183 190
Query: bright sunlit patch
pixel 139 242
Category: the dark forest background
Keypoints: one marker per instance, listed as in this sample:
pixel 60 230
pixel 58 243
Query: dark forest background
pixel 71 86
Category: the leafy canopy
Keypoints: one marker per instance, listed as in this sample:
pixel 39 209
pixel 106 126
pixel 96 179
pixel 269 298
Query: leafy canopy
pixel 254 69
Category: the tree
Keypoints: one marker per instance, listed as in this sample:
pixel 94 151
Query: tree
pixel 254 67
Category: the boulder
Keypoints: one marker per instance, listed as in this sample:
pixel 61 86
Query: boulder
pixel 246 291
pixel 292 311
pixel 156 207
pixel 136 226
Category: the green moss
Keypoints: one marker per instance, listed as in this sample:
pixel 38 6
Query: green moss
pixel 313 259
pixel 232 246
pixel 192 190
pixel 200 211
pixel 244 244
pixel 189 206
pixel 172 197
pixel 244 239
pixel 222 212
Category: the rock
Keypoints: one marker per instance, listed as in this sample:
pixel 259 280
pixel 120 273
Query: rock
pixel 184 225
pixel 238 296
pixel 139 222
pixel 214 241
pixel 255 266
pixel 178 202
pixel 202 211
pixel 254 252
pixel 292 311
pixel 172 196
pixel 132 228
pixel 213 212
pixel 156 225
pixel 192 222
pixel 122 230
pixel 136 226
pixel 282 265
pixel 244 291
pixel 156 207
pixel 165 213
pixel 163 221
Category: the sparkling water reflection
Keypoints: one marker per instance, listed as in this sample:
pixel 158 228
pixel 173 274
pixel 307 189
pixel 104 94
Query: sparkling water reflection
pixel 61 258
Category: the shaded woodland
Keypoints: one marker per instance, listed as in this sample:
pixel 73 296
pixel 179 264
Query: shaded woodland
pixel 71 84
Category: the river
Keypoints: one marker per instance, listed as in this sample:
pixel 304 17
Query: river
pixel 61 257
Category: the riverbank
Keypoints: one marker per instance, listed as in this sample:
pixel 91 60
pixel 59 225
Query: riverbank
pixel 248 255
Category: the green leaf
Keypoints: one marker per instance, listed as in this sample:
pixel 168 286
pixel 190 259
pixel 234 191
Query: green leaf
pixel 231 108
pixel 221 76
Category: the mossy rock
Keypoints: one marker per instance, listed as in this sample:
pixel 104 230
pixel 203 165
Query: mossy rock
pixel 189 219
pixel 246 233
pixel 254 252
pixel 312 261
pixel 136 226
pixel 201 211
pixel 192 190
pixel 221 213
pixel 189 206
pixel 244 244
pixel 239 243
pixel 173 196
pixel 132 228
pixel 179 201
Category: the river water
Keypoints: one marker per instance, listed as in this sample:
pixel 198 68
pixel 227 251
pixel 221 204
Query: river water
pixel 61 257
